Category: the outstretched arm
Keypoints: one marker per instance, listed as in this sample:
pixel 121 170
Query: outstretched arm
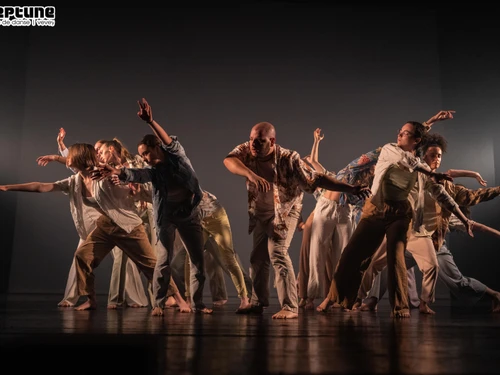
pixel 46 159
pixel 146 114
pixel 466 173
pixel 32 187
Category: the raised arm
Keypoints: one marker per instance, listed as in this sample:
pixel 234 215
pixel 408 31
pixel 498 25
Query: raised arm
pixel 146 114
pixel 60 141
pixel 440 116
pixel 32 187
pixel 314 159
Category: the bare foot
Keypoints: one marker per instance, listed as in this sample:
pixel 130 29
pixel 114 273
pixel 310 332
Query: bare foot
pixel 112 307
pixel 184 307
pixel 135 305
pixel 171 302
pixel 65 304
pixel 405 313
pixel 357 305
pixel 285 314
pixel 87 305
pixel 324 306
pixel 425 309
pixel 220 302
pixel 370 304
pixel 157 311
pixel 205 311
pixel 244 305
pixel 309 304
pixel 302 302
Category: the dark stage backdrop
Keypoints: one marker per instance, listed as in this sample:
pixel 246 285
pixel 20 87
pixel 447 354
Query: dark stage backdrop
pixel 210 74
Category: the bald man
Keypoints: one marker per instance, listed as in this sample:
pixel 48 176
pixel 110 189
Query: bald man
pixel 276 180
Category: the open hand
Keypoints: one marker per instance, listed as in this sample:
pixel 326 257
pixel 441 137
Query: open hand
pixel 145 112
pixel 318 136
pixel 362 191
pixel 480 180
pixel 46 159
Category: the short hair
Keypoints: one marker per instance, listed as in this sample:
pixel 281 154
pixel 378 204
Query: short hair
pixel 83 156
pixel 419 130
pixel 150 140
pixel 432 140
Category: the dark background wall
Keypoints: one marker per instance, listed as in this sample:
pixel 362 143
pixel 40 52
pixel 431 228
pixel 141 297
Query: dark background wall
pixel 210 74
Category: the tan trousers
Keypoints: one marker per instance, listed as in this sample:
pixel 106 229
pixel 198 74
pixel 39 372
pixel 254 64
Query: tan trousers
pixel 420 250
pixel 218 228
pixel 374 225
pixel 101 241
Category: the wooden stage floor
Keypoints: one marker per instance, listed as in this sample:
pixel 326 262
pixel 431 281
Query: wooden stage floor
pixel 38 336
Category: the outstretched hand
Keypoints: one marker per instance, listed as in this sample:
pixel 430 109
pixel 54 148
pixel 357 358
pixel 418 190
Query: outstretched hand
pixel 145 112
pixel 481 180
pixel 362 191
pixel 46 159
pixel 105 170
pixel 470 227
pixel 440 116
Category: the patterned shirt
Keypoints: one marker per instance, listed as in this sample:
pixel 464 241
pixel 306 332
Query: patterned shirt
pixel 465 198
pixel 292 177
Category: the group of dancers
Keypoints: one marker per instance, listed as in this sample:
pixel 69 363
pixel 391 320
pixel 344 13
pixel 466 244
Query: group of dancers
pixel 384 213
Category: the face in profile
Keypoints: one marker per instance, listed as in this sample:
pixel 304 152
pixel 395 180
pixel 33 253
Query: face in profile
pixel 406 137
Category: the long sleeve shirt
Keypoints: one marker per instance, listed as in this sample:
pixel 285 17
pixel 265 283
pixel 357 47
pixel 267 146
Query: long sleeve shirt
pixel 176 167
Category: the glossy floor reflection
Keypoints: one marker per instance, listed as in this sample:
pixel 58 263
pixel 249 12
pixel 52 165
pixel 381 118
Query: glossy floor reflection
pixel 36 335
